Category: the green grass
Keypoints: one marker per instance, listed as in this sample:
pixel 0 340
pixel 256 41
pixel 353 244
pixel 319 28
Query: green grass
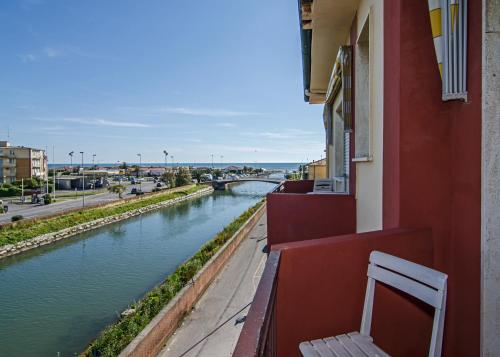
pixel 30 229
pixel 117 336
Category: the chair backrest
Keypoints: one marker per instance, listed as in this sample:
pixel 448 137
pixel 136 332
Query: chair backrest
pixel 323 185
pixel 427 285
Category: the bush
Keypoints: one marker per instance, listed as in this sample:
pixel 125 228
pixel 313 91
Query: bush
pixel 7 190
pixel 182 177
pixel 47 199
pixel 2 210
pixel 17 217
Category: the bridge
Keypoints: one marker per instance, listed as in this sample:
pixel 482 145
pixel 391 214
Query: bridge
pixel 222 184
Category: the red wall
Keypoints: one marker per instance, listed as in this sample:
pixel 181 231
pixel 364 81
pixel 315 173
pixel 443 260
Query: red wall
pixel 295 217
pixel 317 298
pixel 432 157
pixel 301 186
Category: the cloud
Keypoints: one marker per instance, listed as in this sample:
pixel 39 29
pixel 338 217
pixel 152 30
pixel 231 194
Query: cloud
pixel 106 122
pixel 284 134
pixel 226 125
pixel 202 112
pixel 29 57
pixel 52 52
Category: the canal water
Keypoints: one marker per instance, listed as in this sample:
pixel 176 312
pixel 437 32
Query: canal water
pixel 57 298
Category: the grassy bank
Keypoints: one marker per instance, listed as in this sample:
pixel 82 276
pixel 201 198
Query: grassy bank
pixel 117 336
pixel 30 229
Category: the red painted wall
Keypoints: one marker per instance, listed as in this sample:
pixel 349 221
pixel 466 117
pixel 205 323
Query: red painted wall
pixel 432 159
pixel 301 186
pixel 321 288
pixel 295 217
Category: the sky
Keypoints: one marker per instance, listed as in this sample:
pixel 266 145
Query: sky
pixel 120 77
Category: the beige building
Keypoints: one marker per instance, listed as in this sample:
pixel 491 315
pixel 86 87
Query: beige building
pixel 317 170
pixel 18 162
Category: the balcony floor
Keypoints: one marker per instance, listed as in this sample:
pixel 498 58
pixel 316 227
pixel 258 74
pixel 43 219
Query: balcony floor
pixel 231 291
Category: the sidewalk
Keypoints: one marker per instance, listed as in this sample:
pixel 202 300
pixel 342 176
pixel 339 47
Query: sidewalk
pixel 227 298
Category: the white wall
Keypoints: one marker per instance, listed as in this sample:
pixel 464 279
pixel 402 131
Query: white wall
pixel 369 173
pixel 490 176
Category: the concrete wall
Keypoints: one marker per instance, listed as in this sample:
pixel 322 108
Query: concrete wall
pixel 369 172
pixel 490 220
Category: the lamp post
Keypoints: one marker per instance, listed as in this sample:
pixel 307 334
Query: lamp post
pixel 140 163
pixel 71 160
pixel 166 156
pixel 83 181
pixel 172 158
pixel 212 155
pixel 93 166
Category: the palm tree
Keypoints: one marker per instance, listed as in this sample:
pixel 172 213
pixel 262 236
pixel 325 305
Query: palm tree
pixel 119 189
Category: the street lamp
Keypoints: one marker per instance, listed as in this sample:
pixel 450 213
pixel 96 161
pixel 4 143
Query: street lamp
pixel 93 165
pixel 71 159
pixel 140 164
pixel 83 181
pixel 172 158
pixel 212 155
pixel 166 156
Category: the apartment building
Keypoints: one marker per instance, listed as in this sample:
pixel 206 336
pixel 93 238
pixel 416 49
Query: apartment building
pixel 410 95
pixel 18 162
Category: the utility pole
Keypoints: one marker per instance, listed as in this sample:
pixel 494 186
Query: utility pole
pixel 140 164
pixel 83 181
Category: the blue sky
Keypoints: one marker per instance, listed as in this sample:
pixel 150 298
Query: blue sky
pixel 196 78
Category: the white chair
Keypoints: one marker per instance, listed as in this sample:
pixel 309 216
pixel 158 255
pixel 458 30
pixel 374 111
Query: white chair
pixel 323 186
pixel 427 285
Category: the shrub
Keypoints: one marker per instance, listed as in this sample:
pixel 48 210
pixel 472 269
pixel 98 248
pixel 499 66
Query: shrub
pixel 2 210
pixel 7 190
pixel 182 177
pixel 17 217
pixel 47 199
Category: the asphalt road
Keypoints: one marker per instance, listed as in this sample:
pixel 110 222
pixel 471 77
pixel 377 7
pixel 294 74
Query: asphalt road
pixel 29 210
pixel 226 300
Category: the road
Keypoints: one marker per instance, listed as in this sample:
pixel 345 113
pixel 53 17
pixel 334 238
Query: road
pixel 29 210
pixel 227 299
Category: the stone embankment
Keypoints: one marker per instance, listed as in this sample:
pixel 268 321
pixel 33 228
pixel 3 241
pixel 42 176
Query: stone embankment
pixel 12 249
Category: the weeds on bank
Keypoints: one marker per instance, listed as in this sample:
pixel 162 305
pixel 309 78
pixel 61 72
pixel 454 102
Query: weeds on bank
pixel 117 336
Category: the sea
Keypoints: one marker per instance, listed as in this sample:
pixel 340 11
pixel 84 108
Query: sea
pixel 281 166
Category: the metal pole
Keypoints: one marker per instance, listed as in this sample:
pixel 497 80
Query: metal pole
pixel 53 176
pixel 83 181
pixel 140 164
pixel 22 190
pixel 93 165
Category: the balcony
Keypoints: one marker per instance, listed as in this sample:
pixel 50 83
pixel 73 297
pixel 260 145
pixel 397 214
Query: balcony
pixel 294 214
pixel 314 289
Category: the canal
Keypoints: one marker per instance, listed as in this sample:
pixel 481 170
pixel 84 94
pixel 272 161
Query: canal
pixel 57 298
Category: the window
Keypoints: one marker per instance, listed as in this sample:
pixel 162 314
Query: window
pixel 338 119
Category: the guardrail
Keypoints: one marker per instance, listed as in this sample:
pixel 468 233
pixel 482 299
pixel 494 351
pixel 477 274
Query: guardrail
pixel 258 336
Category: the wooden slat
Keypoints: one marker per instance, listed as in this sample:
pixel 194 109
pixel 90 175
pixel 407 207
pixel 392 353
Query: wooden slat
pixel 350 346
pixel 307 350
pixel 418 272
pixel 336 347
pixel 322 348
pixel 366 344
pixel 412 287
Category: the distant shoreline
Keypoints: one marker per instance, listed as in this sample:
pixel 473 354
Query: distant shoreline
pixel 265 165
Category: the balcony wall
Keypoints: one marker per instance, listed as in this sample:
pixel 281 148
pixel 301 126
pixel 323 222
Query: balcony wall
pixel 294 217
pixel 301 186
pixel 320 292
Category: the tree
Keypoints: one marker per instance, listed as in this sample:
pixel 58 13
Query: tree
pixel 182 177
pixel 118 189
pixel 169 178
